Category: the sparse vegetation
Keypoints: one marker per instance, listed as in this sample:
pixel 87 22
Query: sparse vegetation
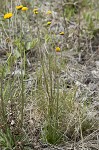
pixel 49 72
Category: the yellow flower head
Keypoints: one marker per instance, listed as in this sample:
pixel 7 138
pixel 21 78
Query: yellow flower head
pixel 24 8
pixel 48 23
pixel 61 33
pixel 8 16
pixel 35 11
pixel 49 12
pixel 19 7
pixel 57 49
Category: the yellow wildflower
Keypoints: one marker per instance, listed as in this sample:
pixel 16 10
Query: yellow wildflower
pixel 8 16
pixel 35 11
pixel 48 23
pixel 49 12
pixel 24 8
pixel 61 33
pixel 57 49
pixel 19 7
